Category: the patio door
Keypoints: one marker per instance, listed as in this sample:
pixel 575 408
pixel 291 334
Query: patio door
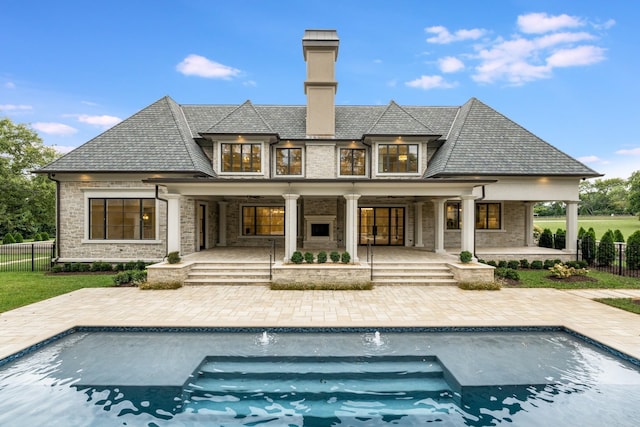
pixel 381 226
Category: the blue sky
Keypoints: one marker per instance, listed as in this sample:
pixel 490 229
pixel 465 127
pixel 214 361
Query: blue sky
pixel 565 70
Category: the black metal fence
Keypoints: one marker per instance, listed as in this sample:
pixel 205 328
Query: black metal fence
pixel 615 258
pixel 27 256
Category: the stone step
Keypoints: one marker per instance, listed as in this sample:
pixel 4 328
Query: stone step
pixel 427 281
pixel 227 281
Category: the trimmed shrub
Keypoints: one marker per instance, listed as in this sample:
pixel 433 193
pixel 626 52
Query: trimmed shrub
pixel 82 267
pixel 57 268
pixel 492 263
pixel 562 271
pixel 37 237
pixel 322 257
pixel 479 286
pixel 536 265
pixel 141 265
pixel 345 257
pixel 514 265
pixel 134 277
pixel 18 237
pixel 548 263
pixel 161 286
pixel 617 236
pixel 588 246
pixel 581 232
pixel 172 258
pixel 465 257
pixel 308 257
pixel 297 257
pixel 335 256
pixel 8 239
pixel 606 250
pixel 524 263
pixel 633 251
pixel 119 267
pixel 546 239
pixel 44 235
pixel 101 266
pixel 502 264
pixel 130 265
pixel 506 273
pixel 560 239
pixel 481 261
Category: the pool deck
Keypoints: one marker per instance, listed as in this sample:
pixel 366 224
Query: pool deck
pixel 258 306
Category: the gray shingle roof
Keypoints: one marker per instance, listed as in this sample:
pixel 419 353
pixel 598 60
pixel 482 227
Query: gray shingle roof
pixel 484 142
pixel 477 139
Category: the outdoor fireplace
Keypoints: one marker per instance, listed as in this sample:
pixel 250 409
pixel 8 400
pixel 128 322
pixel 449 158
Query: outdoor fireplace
pixel 319 231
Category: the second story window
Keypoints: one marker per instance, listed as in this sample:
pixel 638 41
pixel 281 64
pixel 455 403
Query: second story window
pixel 288 161
pixel 352 161
pixel 394 158
pixel 242 158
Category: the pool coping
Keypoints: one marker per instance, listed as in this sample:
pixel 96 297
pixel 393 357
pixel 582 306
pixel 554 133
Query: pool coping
pixel 320 329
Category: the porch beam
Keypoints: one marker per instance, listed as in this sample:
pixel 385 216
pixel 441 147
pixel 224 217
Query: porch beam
pixel 290 224
pixel 351 226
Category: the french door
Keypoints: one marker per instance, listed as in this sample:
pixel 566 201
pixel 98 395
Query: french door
pixel 381 226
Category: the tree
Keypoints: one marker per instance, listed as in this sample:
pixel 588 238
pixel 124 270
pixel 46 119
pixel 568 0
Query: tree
pixel 634 193
pixel 27 201
pixel 606 249
pixel 604 197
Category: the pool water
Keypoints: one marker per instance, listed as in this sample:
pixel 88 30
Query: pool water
pixel 308 378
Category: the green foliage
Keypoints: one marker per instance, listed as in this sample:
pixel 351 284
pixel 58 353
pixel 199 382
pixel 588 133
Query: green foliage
pixel 514 265
pixel 37 237
pixel 322 257
pixel 335 256
pixel 18 237
pixel 634 193
pixel 633 251
pixel 606 249
pixel 627 304
pixel 524 263
pixel 44 235
pixel 548 263
pixel 308 257
pixel 588 245
pixel 502 264
pixel 172 258
pixel 581 232
pixel 560 239
pixel 297 257
pixel 617 236
pixel 465 257
pixel 536 265
pixel 492 263
pixel 546 239
pixel 159 286
pixel 101 266
pixel 27 202
pixel 133 277
pixel 8 239
pixel 480 286
pixel 506 273
pixel 345 257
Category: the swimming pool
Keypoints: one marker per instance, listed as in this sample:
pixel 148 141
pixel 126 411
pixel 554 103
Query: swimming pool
pixel 352 376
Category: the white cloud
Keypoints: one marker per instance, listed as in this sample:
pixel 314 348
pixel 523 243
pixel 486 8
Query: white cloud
pixel 590 159
pixel 430 82
pixel 10 85
pixel 443 36
pixel 450 64
pixel 100 121
pixel 630 152
pixel 581 55
pixel 14 107
pixel 54 128
pixel 605 26
pixel 538 23
pixel 196 65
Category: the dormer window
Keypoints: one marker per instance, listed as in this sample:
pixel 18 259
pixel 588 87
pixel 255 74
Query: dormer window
pixel 397 158
pixel 241 157
pixel 288 161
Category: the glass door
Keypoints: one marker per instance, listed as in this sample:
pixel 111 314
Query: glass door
pixel 381 226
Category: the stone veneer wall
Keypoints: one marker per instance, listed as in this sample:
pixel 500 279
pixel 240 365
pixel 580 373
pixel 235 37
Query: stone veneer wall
pixel 72 227
pixel 320 160
pixel 188 230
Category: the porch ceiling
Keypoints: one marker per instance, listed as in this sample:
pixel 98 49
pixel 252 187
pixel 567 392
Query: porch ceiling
pixel 251 187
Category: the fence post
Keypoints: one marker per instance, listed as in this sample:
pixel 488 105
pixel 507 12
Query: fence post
pixel 620 259
pixel 33 263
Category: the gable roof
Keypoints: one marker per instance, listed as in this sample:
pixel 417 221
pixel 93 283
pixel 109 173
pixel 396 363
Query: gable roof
pixel 477 140
pixel 156 139
pixel 482 141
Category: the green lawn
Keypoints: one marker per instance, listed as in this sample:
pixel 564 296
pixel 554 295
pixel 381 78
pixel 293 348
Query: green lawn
pixel 621 303
pixel 626 224
pixel 22 288
pixel 540 279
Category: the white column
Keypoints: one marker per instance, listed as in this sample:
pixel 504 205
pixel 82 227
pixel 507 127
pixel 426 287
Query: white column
pixel 290 224
pixel 467 240
pixel 351 226
pixel 173 222
pixel 222 223
pixel 572 226
pixel 528 224
pixel 417 226
pixel 438 226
